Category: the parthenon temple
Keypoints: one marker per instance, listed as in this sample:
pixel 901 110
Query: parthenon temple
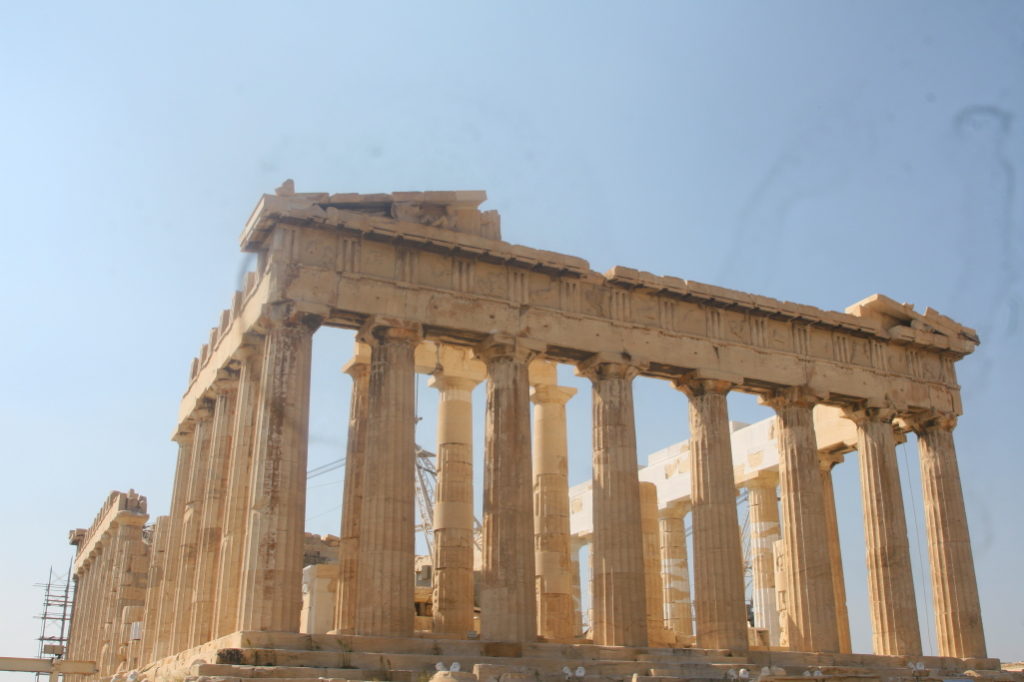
pixel 215 589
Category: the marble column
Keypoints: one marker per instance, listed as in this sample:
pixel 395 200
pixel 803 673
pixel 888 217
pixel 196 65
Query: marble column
pixel 835 557
pixel 387 521
pixel 555 612
pixel 654 592
pixel 676 567
pixel 211 526
pixel 763 505
pixel 186 555
pixel 719 600
pixel 271 597
pixel 811 607
pixel 236 504
pixel 154 588
pixel 453 503
pixel 619 592
pixel 894 625
pixel 158 629
pixel 575 545
pixel 352 495
pixel 958 625
pixel 508 600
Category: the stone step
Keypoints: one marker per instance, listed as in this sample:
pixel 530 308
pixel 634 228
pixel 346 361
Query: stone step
pixel 275 672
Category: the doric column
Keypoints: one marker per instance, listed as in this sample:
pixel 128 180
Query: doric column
pixel 508 600
pixel 811 607
pixel 453 498
pixel 387 521
pixel 619 593
pixel 835 556
pixel 271 596
pixel 575 545
pixel 555 612
pixel 208 559
pixel 717 554
pixel 894 627
pixel 352 496
pixel 184 593
pixel 657 634
pixel 236 505
pixel 763 504
pixel 676 567
pixel 158 629
pixel 154 588
pixel 958 625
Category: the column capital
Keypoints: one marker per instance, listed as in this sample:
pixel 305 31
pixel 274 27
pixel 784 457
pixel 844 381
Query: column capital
pixel 864 413
pixel 548 393
pixel 694 385
pixel 379 328
pixel 608 366
pixel 447 382
pixel 929 419
pixel 287 314
pixel 507 346
pixel 792 396
pixel 827 460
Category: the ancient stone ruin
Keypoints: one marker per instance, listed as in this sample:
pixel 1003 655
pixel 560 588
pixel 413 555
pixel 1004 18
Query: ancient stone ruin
pixel 216 590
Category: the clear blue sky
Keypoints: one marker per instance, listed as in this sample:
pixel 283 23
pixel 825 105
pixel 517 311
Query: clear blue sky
pixel 814 152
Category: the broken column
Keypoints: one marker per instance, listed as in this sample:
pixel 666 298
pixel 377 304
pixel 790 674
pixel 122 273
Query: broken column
pixel 763 507
pixel 676 578
pixel 657 634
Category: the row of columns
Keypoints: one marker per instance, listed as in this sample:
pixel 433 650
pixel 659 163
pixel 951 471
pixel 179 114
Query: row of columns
pixel 816 605
pixel 253 432
pixel 110 585
pixel 229 555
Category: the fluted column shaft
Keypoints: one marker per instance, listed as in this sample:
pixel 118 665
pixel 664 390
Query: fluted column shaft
pixel 208 559
pixel 575 545
pixel 271 596
pixel 387 520
pixel 507 595
pixel 619 593
pixel 184 593
pixel 154 588
pixel 894 625
pixel 236 506
pixel 811 607
pixel 556 613
pixel 958 625
pixel 717 554
pixel 352 496
pixel 453 506
pixel 835 556
pixel 654 591
pixel 676 567
pixel 158 625
pixel 763 506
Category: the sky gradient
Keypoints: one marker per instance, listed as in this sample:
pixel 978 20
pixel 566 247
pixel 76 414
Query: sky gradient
pixel 812 152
